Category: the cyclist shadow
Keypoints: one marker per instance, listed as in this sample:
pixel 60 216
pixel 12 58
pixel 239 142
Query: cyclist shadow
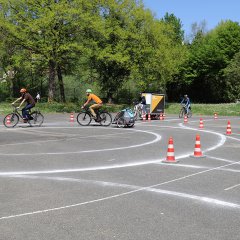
pixel 23 125
pixel 95 124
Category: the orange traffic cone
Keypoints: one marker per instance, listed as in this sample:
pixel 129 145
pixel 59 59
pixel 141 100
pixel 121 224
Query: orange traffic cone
pixel 197 150
pixel 201 123
pixel 144 117
pixel 215 116
pixel 170 152
pixel 149 117
pixel 229 129
pixel 164 116
pixel 161 116
pixel 71 117
pixel 185 119
pixel 8 120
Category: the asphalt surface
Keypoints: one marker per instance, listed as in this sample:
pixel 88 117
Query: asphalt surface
pixel 64 181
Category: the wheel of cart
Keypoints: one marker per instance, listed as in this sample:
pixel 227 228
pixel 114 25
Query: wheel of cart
pixel 124 118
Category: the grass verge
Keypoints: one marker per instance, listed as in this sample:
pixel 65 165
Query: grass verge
pixel 228 109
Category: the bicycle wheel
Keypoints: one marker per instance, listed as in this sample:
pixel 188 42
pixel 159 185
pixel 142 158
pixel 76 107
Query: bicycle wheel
pixel 135 115
pixel 189 113
pixel 121 123
pixel 36 119
pixel 11 120
pixel 181 113
pixel 106 118
pixel 84 119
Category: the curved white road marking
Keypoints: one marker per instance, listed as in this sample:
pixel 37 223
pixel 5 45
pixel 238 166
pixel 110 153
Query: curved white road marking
pixel 97 168
pixel 220 143
pixel 60 140
pixel 206 199
pixel 132 164
pixel 157 138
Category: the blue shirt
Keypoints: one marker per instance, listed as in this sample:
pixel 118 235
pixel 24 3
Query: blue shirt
pixel 186 101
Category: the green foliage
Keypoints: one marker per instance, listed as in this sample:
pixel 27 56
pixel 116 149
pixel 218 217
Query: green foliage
pixel 232 75
pixel 209 56
pixel 227 109
pixel 176 24
pixel 117 48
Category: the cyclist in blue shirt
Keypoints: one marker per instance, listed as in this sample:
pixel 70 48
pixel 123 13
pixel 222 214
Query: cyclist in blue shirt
pixel 186 101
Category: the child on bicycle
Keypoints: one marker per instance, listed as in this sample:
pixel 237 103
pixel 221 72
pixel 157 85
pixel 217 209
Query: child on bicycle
pixel 97 102
pixel 25 97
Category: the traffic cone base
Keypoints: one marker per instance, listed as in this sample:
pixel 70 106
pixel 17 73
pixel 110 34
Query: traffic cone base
pixel 168 161
pixel 193 156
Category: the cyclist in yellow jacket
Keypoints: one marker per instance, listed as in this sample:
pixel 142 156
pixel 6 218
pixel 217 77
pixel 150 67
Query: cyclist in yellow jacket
pixel 93 98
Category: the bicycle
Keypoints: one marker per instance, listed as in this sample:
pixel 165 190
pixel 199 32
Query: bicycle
pixel 137 110
pixel 124 118
pixel 183 111
pixel 85 117
pixel 12 119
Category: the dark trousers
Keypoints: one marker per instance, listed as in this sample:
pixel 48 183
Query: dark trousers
pixel 25 110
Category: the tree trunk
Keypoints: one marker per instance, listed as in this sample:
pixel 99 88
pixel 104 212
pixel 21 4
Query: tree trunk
pixel 110 97
pixel 51 81
pixel 11 88
pixel 61 85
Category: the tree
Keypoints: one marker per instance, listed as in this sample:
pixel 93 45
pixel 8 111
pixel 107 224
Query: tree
pixel 48 29
pixel 176 24
pixel 210 54
pixel 135 46
pixel 232 75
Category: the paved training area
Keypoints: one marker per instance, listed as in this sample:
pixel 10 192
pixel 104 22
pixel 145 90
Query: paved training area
pixel 67 182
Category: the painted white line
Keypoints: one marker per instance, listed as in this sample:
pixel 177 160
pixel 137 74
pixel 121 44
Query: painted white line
pixel 59 140
pixel 148 188
pixel 221 159
pixel 133 187
pixel 236 139
pixel 97 168
pixel 132 164
pixel 157 138
pixel 115 166
pixel 229 188
pixel 220 143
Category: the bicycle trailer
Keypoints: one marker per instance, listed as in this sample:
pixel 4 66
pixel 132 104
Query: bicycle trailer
pixel 124 118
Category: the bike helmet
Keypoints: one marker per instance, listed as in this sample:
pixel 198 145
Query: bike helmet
pixel 23 90
pixel 88 91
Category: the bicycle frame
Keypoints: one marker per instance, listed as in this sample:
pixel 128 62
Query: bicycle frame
pixel 183 111
pixel 85 117
pixel 87 110
pixel 15 110
pixel 138 108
